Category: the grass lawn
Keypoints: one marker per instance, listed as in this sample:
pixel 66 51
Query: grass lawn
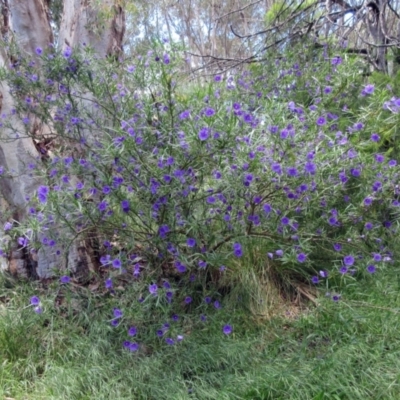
pixel 345 350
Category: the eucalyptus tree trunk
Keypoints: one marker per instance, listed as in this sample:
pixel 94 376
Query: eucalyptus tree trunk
pixel 81 24
pixel 27 24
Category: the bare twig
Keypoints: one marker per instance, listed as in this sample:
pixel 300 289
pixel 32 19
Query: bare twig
pixel 238 10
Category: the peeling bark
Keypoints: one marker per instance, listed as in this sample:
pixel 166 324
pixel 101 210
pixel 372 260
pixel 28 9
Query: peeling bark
pixel 30 28
pixel 31 24
pixel 16 153
pixel 83 24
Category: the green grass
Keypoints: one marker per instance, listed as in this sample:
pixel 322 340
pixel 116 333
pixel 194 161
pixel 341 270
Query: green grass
pixel 348 350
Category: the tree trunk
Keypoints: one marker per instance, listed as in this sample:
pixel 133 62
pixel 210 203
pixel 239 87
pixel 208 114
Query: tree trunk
pixel 102 28
pixel 27 23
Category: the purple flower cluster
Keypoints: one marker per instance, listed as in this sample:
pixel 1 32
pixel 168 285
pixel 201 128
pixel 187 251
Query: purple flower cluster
pixel 176 188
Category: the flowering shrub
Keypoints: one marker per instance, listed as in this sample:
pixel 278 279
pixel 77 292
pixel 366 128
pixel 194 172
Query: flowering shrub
pixel 185 184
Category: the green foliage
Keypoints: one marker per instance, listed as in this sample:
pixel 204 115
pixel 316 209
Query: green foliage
pixel 205 206
pixel 347 351
pixel 281 10
pixel 271 172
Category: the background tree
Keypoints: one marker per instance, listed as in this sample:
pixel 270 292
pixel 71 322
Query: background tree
pixel 32 27
pixel 370 29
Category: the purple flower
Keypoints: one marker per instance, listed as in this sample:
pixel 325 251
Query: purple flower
pixel 209 112
pixel 167 178
pixel 301 257
pixel 125 206
pixel 249 177
pixel 336 60
pixel 191 242
pixel 133 347
pixel 43 191
pixel 116 263
pixel 267 208
pixel 104 260
pixel 166 285
pixel 277 168
pixel 292 171
pixel 358 126
pixel 217 78
pixel 237 250
pixel 67 52
pixel 202 264
pixel 65 279
pixel 379 158
pixel 117 313
pixel 377 257
pixel 315 280
pixel 8 226
pixel 284 133
pixel 132 331
pixel 185 114
pixel 348 260
pixel 180 267
pixel 163 230
pixel 23 241
pixel 371 269
pixel 377 185
pixel 211 200
pixel 279 253
pixel 35 301
pixel 153 289
pixel 39 51
pixel 108 283
pixel 310 168
pixel 343 270
pixel 204 134
pixel 368 90
pixel 102 206
pixel 368 201
pixel 170 341
pixel 175 317
pixel 285 221
pixel 38 309
pixel 336 297
pixel 217 304
pixel 323 274
pixel 126 344
pixel 106 189
pixel 375 137
pixel 227 329
pixel 321 121
pixel 166 59
pixel 368 226
pixel 337 246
